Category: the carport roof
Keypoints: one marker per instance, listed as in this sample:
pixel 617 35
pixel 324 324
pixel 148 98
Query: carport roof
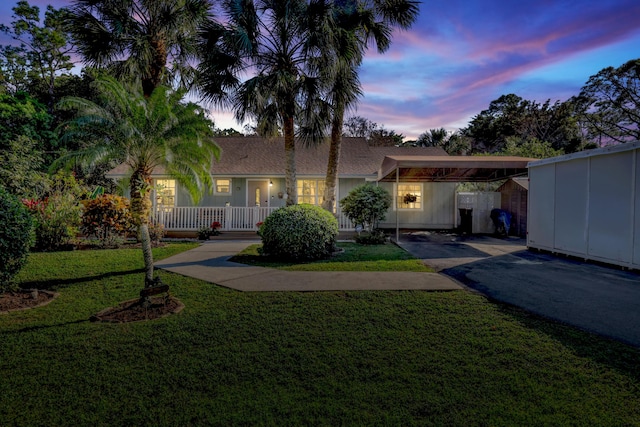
pixel 452 168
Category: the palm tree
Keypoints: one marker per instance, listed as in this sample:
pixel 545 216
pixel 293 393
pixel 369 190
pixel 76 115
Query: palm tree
pixel 152 132
pixel 359 22
pixel 151 41
pixel 278 41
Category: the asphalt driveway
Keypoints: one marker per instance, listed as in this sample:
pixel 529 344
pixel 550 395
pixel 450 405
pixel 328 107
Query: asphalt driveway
pixel 598 298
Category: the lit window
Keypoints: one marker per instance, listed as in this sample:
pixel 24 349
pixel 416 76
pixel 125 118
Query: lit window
pixel 223 186
pixel 409 196
pixel 310 191
pixel 165 192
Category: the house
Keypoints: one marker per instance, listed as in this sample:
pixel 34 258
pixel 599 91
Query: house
pixel 587 204
pixel 514 195
pixel 249 183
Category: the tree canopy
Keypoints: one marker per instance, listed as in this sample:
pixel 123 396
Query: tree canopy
pixel 43 53
pixel 151 42
pixel 145 133
pixel 610 104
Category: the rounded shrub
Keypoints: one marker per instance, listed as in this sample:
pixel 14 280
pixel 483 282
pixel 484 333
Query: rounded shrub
pixel 299 232
pixel 366 205
pixel 16 237
pixel 106 217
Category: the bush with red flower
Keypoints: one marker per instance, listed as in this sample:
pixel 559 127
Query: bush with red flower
pixel 213 230
pixel 56 211
pixel 107 217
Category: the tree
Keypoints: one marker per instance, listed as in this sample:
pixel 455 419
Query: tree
pixel 16 236
pixel 150 42
pixel 358 23
pixel 452 142
pixel 226 132
pixel 433 138
pixel 532 148
pixel 358 127
pixel 610 104
pixel 25 132
pixel 279 41
pixel 44 51
pixel 375 134
pixel 489 129
pixel 366 205
pixel 146 133
pixel 512 116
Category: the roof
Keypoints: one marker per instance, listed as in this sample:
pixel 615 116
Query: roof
pixel 610 149
pixel 260 157
pixel 452 168
pixel 256 156
pixel 522 182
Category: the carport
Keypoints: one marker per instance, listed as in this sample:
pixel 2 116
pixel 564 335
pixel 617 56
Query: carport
pixel 450 169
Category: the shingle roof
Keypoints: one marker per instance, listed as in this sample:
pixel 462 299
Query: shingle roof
pixel 257 156
pixel 247 156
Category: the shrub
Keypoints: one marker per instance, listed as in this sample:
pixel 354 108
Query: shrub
pixel 16 237
pixel 366 205
pixel 213 230
pixel 57 212
pixel 106 217
pixel 156 232
pixel 299 232
pixel 373 237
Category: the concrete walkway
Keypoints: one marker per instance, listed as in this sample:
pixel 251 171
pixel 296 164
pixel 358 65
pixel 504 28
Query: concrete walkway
pixel 210 262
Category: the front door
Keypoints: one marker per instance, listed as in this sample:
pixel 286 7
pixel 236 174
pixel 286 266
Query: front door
pixel 258 193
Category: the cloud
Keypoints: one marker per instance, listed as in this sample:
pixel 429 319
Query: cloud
pixel 461 55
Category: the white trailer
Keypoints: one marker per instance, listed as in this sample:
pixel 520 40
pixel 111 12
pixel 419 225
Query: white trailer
pixel 587 205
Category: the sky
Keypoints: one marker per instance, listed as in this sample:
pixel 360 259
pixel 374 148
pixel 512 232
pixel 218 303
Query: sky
pixel 462 54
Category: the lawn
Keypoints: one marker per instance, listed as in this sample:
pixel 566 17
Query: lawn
pixel 313 358
pixel 352 257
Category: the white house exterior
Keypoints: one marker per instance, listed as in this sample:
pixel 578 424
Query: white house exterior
pixel 249 183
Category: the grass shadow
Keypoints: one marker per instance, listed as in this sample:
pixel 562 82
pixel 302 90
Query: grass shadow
pixel 617 355
pixel 52 284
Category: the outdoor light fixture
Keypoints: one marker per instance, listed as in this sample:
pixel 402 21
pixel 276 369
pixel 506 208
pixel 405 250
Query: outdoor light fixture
pixel 270 183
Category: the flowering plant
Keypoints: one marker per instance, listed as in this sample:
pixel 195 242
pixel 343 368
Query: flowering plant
pixel 215 228
pixel 410 198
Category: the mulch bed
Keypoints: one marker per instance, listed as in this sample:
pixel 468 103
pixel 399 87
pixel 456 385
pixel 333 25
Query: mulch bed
pixel 25 299
pixel 135 311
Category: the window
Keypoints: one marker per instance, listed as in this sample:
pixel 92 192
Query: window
pixel 409 196
pixel 165 192
pixel 223 186
pixel 258 198
pixel 310 191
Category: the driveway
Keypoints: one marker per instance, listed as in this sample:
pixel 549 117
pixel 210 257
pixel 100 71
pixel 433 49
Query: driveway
pixel 598 298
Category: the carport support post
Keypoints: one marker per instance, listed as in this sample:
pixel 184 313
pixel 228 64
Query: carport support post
pixel 396 206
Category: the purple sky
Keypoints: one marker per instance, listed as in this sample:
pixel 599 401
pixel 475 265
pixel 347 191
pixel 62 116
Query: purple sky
pixel 462 54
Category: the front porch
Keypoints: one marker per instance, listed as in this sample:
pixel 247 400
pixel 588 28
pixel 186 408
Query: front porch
pixel 231 218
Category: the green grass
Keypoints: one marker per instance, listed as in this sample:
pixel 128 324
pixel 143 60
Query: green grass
pixel 310 358
pixel 354 257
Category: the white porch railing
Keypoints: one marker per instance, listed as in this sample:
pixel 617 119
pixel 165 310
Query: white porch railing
pixel 231 218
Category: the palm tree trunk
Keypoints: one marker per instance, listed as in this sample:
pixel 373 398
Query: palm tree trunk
pixel 291 184
pixel 141 211
pixel 331 180
pixel 145 241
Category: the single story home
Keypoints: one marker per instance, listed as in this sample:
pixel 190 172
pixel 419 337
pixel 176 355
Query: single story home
pixel 249 183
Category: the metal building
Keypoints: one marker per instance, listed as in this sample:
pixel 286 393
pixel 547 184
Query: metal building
pixel 587 204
